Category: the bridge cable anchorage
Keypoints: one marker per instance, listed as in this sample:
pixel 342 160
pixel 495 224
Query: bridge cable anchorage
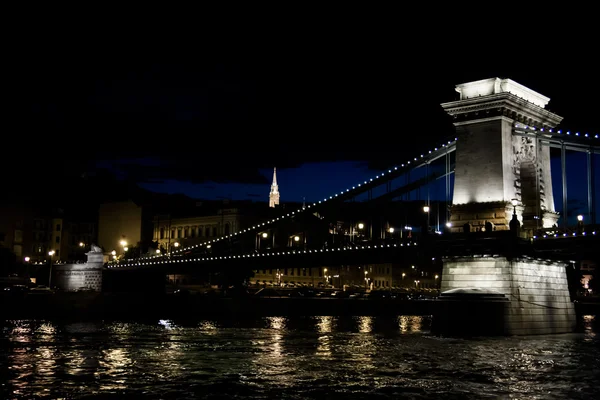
pixel 359 188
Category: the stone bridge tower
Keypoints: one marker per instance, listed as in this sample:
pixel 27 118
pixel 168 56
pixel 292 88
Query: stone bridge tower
pixel 495 164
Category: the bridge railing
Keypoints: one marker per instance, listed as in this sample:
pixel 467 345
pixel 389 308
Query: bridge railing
pixel 567 231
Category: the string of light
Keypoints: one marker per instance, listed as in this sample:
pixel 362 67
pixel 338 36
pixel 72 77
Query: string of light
pixel 561 235
pixel 407 164
pixel 140 262
pixel 560 132
pixel 288 252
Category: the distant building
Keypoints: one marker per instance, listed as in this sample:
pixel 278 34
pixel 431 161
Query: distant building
pixel 274 195
pixel 207 221
pixel 32 232
pixel 123 223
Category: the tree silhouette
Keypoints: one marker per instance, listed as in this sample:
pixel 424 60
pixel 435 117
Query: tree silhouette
pixel 8 262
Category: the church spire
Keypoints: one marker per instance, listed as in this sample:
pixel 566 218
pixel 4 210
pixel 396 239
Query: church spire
pixel 274 195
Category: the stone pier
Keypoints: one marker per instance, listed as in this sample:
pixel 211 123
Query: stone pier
pixel 85 276
pixel 512 296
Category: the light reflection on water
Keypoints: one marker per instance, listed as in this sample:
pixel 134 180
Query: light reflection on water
pixel 295 358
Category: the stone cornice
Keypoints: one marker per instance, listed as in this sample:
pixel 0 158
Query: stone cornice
pixel 506 104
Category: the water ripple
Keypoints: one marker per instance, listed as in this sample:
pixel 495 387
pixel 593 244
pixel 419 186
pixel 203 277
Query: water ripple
pixel 313 357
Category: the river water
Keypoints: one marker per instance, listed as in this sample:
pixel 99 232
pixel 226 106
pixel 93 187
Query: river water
pixel 291 358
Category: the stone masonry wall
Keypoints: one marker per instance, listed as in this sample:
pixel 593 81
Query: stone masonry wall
pixel 539 297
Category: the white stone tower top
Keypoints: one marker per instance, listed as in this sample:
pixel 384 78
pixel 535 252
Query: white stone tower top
pixel 490 86
pixel 274 195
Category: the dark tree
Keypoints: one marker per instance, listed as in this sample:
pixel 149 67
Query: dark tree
pixel 8 262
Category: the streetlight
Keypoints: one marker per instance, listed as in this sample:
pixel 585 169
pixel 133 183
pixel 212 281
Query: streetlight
pixel 580 223
pixel 278 277
pixel 361 225
pixel 514 202
pixel 426 211
pixel 514 223
pixel 50 253
pixel 27 259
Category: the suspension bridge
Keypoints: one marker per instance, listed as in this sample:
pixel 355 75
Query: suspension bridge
pixel 469 186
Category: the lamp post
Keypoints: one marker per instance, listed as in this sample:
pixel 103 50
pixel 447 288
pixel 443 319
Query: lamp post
pixel 259 237
pixel 579 223
pixel 27 260
pixel 50 253
pixel 426 211
pixel 514 223
pixel 123 244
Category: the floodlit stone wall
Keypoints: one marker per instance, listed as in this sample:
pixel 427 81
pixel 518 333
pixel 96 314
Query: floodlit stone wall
pixel 538 290
pixel 73 277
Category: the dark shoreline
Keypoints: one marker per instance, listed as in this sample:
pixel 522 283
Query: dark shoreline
pixel 90 305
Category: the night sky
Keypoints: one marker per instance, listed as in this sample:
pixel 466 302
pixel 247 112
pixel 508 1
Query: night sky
pixel 214 125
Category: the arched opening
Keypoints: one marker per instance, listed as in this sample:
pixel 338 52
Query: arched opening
pixel 529 192
pixel 227 228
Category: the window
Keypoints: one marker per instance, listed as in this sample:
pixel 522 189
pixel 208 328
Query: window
pixel 214 231
pixel 58 239
pixel 162 233
pixel 173 233
pixel 185 232
pixel 57 227
pixel 207 231
pixel 227 228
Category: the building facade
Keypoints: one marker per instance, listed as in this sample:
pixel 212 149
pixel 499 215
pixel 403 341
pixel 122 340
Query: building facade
pixel 121 222
pixel 171 232
pixel 385 276
pixel 31 233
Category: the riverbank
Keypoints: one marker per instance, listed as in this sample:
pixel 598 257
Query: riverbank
pixel 126 305
pixel 92 305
